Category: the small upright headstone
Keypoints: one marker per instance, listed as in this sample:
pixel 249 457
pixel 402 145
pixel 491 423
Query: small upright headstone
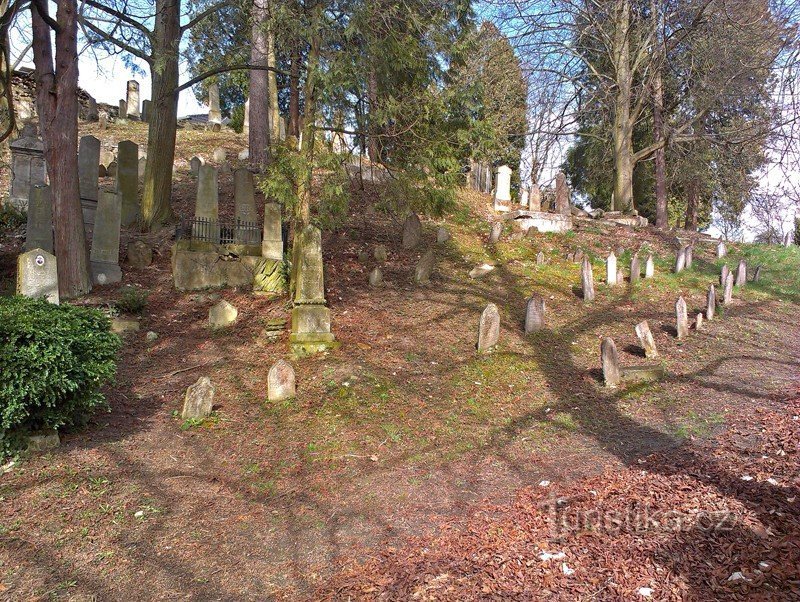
pixel 412 231
pixel 688 256
pixel 562 194
pixel 721 250
pixel 220 155
pixel 28 167
pixel 495 232
pixel 133 99
pixel 534 314
pixel 636 269
pixel 139 254
pixel 442 235
pixel 103 121
pixel 194 165
pixel 199 400
pixel 540 258
pixel 680 260
pixel 39 234
pixel 646 339
pixel 381 254
pixel 610 362
pixel 122 114
pixel 207 205
pixel 422 273
pixel 111 170
pixel 502 191
pixel 757 274
pixel 536 198
pixel 37 275
pixel 620 276
pixel 105 241
pixel 272 243
pixel 741 274
pixel 723 274
pixel 214 113
pixel 376 277
pixel 711 302
pixel 91 112
pixel 611 269
pixel 727 295
pixel 222 314
pixel 698 322
pixel 523 198
pixel 682 319
pixel 128 180
pixel 88 161
pixel 649 267
pixel 145 110
pixel 587 280
pixel 281 381
pixel 489 328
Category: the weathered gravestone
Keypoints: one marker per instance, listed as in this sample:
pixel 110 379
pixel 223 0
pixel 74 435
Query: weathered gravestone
pixel 540 258
pixel 311 319
pixel 142 167
pixel 689 256
pixel 412 231
pixel 587 280
pixel 723 274
pixel 145 110
pixel 37 275
pixel 122 113
pixel 132 99
pixel 103 121
pixel 28 167
pixel 488 328
pixel 206 209
pixel 649 267
pixel 381 254
pixel 711 302
pixel 721 250
pixel 139 254
pixel 534 314
pixel 495 232
pixel 680 260
pixel 88 162
pixel 92 114
pixel 111 170
pixel 244 199
pixel 524 198
pixel 270 278
pixel 214 112
pixel 646 339
pixel 424 269
pixel 698 322
pixel 727 295
pixel 104 257
pixel 220 155
pixel 281 381
pixel 536 198
pixel 199 400
pixel 636 268
pixel 375 277
pixel 609 359
pixel 194 165
pixel 39 233
pixel 272 242
pixel 562 194
pixel 682 319
pixel 611 269
pixel 246 122
pixel 741 274
pixel 128 181
pixel 502 191
pixel 757 274
pixel 222 314
pixel 442 235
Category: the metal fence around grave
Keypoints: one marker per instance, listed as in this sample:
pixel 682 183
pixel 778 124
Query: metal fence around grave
pixel 203 229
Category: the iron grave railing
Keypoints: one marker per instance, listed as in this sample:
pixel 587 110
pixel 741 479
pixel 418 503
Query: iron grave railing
pixel 203 229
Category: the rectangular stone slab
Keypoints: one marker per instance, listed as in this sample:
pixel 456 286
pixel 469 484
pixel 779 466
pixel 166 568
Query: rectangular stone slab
pixel 642 374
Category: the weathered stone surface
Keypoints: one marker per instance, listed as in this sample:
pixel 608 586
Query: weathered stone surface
pixel 722 251
pixel 578 256
pixel 219 155
pixel 636 269
pixel 104 256
pixel 646 339
pixel 587 280
pixel 139 254
pixel 442 235
pixel 620 276
pixel 270 277
pixel 222 314
pixel 363 257
pixel 310 288
pixel 194 165
pixel 689 256
pixel 480 270
pixel 92 114
pixel 649 267
pixel 741 274
pixel 122 113
pixel 39 233
pixel 103 121
pixel 245 207
pixel 381 254
pixel 122 325
pixel 531 222
pixel 489 328
pixel 642 374
pixel 132 100
pixel 534 314
pixel 272 242
pixel 681 317
pixel 680 260
pixel 142 167
pixel 536 198
pixel 88 162
pixel 37 275
pixel 562 194
pixel 199 400
pixel 727 296
pixel 502 190
pixel 128 181
pixel 412 231
pixel 424 269
pixel 145 110
pixel 609 359
pixel 198 270
pixel 723 274
pixel 540 258
pixel 28 167
pixel 757 274
pixel 376 277
pixel 711 302
pixel 698 322
pixel 495 232
pixel 44 440
pixel 281 381
pixel 111 170
pixel 611 270
pixel 214 112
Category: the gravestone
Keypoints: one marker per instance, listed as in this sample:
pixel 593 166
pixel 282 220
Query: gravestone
pixel 139 254
pixel 141 168
pixel 610 362
pixel 689 256
pixel 214 112
pixel 220 155
pixel 524 198
pixel 727 295
pixel 442 235
pixel 680 260
pixel 194 165
pixel 128 181
pixel 682 319
pixel 222 314
pixel 722 251
pixel 412 231
pixel 145 110
pixel 562 194
pixel 311 319
pixel 502 190
pixel 534 314
pixel 88 174
pixel 111 170
pixel 698 322
pixel 741 274
pixel 246 122
pixel 122 113
pixel 281 381
pixel 272 243
pixel 102 172
pixel 28 167
pixel 540 258
pixel 611 269
pixel 199 400
pixel 103 121
pixel 132 100
pixel 104 257
pixel 587 280
pixel 646 339
pixel 757 274
pixel 363 257
pixel 620 276
pixel 244 199
pixel 578 257
pixel 636 269
pixel 376 277
pixel 536 198
pixel 381 254
pixel 37 275
pixel 488 328
pixel 39 234
pixel 207 205
pixel 649 267
pixel 422 273
pixel 91 113
pixel 495 232
pixel 711 302
pixel 723 274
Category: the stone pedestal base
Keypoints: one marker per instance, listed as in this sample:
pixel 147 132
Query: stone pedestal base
pixel 311 330
pixel 105 273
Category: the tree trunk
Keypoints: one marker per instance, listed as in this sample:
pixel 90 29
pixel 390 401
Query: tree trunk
pixel 294 90
pixel 692 192
pixel 373 144
pixel 272 83
pixel 623 126
pixel 57 103
pixel 259 86
pixel 163 116
pixel 660 157
pixel 303 215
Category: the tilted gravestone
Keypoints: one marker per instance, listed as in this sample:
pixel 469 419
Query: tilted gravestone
pixel 587 280
pixel 711 302
pixel 649 267
pixel 488 328
pixel 39 233
pixel 723 274
pixel 244 200
pixel 199 400
pixel 534 314
pixel 562 194
pixel 609 359
pixel 424 269
pixel 611 269
pixel 727 296
pixel 757 274
pixel 496 232
pixel 104 257
pixel 636 269
pixel 682 318
pixel 128 181
pixel 689 256
pixel 741 274
pixel 37 275
pixel 680 260
pixel 412 231
pixel 281 381
pixel 646 339
pixel 88 174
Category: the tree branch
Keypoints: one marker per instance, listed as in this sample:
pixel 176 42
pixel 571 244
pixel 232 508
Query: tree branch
pixel 218 70
pixel 207 12
pixel 118 43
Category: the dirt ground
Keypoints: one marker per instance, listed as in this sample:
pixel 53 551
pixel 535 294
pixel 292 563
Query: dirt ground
pixel 402 431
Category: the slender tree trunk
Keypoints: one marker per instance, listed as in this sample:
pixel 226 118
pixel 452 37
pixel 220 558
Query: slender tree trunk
pixel 259 86
pixel 303 215
pixel 660 156
pixel 294 90
pixel 373 143
pixel 623 126
pixel 272 82
pixel 57 103
pixel 692 206
pixel 163 120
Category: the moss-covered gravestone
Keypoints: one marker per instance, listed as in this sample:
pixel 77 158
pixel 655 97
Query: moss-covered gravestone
pixel 37 275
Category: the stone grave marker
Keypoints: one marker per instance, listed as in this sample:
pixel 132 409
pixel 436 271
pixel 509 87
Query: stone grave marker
pixel 139 254
pixel 682 319
pixel 422 273
pixel 39 234
pixel 199 400
pixel 103 121
pixel 727 295
pixel 37 275
pixel 636 269
pixel 649 267
pixel 222 314
pixel 723 274
pixel 88 162
pixel 698 322
pixel 220 155
pixel 141 167
pixel 272 242
pixel 376 277
pixel 502 191
pixel 610 362
pixel 711 302
pixel 132 100
pixel 688 256
pixel 28 167
pixel 488 328
pixel 646 339
pixel 281 381
pixel 92 114
pixel 587 280
pixel 611 269
pixel 741 273
pixel 534 314
pixel 442 235
pixel 207 204
pixel 145 110
pixel 757 274
pixel 524 198
pixel 244 199
pixel 540 258
pixel 214 112
pixel 680 260
pixel 495 232
pixel 128 181
pixel 412 231
pixel 104 256
pixel 381 254
pixel 562 194
pixel 721 250
pixel 536 198
pixel 194 165
pixel 122 114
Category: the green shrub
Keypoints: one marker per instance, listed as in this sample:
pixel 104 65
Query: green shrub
pixel 11 218
pixel 53 361
pixel 132 300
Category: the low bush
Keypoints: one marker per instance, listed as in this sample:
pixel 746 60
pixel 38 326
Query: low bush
pixel 132 300
pixel 53 361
